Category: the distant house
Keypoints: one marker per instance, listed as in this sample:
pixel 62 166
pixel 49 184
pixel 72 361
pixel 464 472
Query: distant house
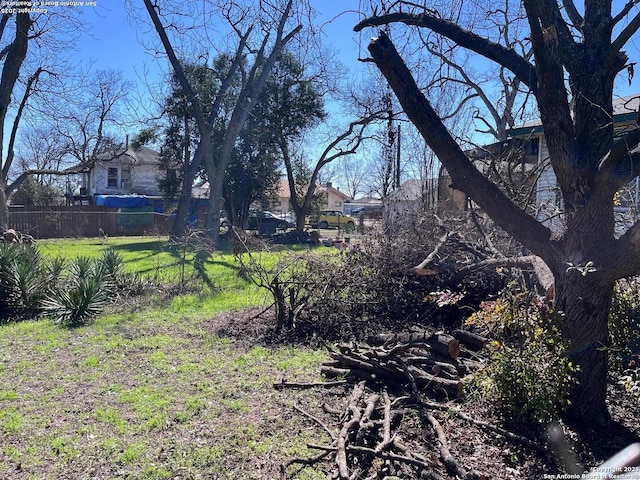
pixel 530 142
pixel 548 197
pixel 282 204
pixel 412 198
pixel 130 172
pixel 513 161
pixel 334 199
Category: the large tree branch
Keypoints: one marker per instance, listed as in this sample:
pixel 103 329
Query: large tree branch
pixel 624 12
pixel 552 98
pixel 506 57
pixel 227 82
pixel 619 165
pixel 572 13
pixel 626 261
pixel 464 174
pixel 624 36
pixel 11 68
pixel 260 71
pixel 556 33
pixel 196 108
pixel 16 121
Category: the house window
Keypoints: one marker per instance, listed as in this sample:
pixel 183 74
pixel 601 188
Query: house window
pixel 112 177
pixel 125 178
pixel 337 203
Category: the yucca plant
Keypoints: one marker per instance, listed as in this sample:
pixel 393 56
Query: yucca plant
pixel 112 264
pixel 75 305
pixel 83 295
pixel 55 269
pixel 82 267
pixel 23 280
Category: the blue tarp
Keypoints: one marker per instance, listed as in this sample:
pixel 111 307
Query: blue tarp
pixel 122 201
pixel 127 202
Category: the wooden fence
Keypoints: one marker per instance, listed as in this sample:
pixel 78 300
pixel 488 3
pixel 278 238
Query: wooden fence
pixel 87 221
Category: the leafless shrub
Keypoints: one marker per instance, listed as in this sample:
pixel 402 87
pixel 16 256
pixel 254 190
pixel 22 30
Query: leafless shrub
pixel 372 285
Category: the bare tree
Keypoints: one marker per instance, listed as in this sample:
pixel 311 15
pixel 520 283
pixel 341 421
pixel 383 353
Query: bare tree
pixel 40 149
pixel 88 115
pixel 352 172
pixel 30 51
pixel 345 144
pixel 576 58
pixel 271 38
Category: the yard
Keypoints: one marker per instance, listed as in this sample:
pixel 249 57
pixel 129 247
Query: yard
pixel 181 385
pixel 152 390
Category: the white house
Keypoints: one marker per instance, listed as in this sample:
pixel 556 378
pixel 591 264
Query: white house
pixel 412 199
pixel 130 172
pixel 548 197
pixel 534 158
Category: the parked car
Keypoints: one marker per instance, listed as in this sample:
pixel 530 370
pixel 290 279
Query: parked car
pixel 267 222
pixel 331 218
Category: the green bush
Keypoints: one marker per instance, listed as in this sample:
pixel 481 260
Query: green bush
pixel 80 301
pixel 624 324
pixel 529 377
pixel 82 293
pixel 23 280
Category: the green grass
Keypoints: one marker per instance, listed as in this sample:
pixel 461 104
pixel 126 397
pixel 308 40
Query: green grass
pixel 151 392
pixel 151 257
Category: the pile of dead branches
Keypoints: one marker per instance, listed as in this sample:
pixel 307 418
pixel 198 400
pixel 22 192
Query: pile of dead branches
pixel 422 361
pixel 366 446
pixel 391 376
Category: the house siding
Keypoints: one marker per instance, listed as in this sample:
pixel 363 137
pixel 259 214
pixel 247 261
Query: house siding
pixel 141 180
pixel 548 205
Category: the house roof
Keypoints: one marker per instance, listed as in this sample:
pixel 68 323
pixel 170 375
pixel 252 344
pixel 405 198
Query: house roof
pixel 625 109
pixel 141 156
pixel 330 188
pixel 283 189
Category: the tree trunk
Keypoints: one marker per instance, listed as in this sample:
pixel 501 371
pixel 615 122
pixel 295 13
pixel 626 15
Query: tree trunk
pixel 4 210
pixel 212 225
pixel 190 172
pixel 584 299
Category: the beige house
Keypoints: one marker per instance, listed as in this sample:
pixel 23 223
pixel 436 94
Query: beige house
pixel 334 199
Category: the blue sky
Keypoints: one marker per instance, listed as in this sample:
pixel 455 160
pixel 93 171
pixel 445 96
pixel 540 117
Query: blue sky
pixel 115 42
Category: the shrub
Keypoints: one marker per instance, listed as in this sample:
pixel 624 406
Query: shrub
pixel 81 294
pixel 79 301
pixel 357 291
pixel 624 324
pixel 23 280
pixel 529 376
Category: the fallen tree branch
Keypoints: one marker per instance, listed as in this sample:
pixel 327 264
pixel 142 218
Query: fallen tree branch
pixel 387 456
pixel 520 262
pixel 282 385
pixel 512 437
pixel 304 461
pixel 308 415
pixel 420 268
pixel 453 467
